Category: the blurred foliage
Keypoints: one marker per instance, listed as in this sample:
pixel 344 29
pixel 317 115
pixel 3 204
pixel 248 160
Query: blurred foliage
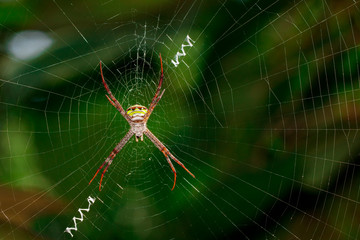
pixel 267 118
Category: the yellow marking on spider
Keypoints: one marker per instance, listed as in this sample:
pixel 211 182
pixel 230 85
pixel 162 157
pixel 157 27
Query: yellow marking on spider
pixel 136 111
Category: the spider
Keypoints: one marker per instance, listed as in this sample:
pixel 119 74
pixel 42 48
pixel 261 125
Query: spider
pixel 137 117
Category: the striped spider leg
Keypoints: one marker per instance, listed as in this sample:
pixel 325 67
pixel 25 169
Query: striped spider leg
pixel 167 154
pixel 112 99
pixel 137 117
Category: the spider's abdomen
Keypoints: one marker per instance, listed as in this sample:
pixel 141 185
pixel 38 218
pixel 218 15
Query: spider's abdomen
pixel 136 113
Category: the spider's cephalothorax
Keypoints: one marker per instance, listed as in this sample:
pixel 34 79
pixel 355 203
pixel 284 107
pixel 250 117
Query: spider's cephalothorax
pixel 136 113
pixel 137 117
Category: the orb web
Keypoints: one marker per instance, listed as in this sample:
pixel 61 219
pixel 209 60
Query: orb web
pixel 260 104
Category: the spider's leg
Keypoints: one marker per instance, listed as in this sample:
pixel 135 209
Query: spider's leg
pixel 166 152
pixel 102 175
pixel 157 97
pixel 173 169
pixel 151 108
pixel 112 99
pixel 99 170
pixel 110 158
pixel 178 162
pixel 112 103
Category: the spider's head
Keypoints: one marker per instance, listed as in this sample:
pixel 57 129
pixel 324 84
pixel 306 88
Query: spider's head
pixel 136 113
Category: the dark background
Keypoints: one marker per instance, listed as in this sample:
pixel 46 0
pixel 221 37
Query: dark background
pixel 262 109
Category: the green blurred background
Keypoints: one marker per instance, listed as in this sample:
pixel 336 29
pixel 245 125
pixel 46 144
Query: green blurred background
pixel 262 109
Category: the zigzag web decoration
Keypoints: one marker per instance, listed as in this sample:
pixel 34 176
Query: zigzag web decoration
pixel 182 53
pixel 69 229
